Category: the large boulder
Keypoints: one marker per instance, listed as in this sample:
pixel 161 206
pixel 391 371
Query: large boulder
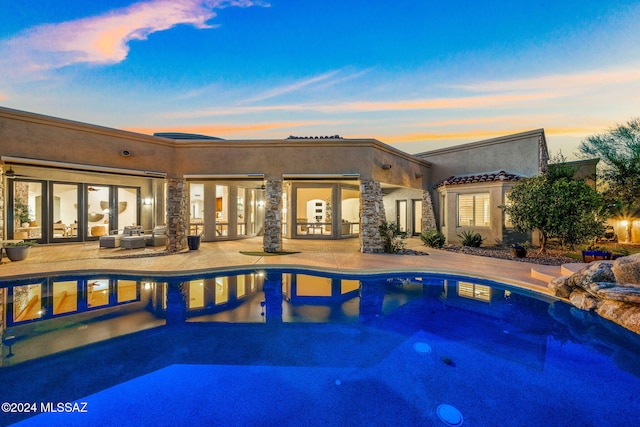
pixel 599 271
pixel 627 269
pixel 614 296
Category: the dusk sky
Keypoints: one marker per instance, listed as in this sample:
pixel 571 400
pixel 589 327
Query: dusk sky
pixel 418 75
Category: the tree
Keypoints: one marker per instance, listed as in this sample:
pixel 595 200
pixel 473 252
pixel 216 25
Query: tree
pixel 558 206
pixel 619 153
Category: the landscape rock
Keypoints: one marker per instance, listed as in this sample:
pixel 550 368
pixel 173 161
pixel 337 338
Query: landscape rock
pixel 622 313
pixel 627 269
pixel 583 300
pixel 611 289
pixel 599 271
pixel 560 287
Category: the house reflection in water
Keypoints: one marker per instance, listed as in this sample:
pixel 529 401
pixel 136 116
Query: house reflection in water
pixel 54 314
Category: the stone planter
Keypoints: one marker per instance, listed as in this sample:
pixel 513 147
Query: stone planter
pixel 17 253
pixel 593 255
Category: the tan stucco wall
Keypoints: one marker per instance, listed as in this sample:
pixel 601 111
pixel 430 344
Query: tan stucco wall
pixel 29 135
pixel 519 154
pixel 493 234
pixel 40 137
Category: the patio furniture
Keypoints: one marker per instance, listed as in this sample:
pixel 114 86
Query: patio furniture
pixel 132 242
pixel 133 238
pixel 110 241
pixel 158 236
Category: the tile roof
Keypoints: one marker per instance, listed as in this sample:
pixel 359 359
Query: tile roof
pixel 485 177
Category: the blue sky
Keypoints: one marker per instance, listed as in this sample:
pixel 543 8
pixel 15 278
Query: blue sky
pixel 418 75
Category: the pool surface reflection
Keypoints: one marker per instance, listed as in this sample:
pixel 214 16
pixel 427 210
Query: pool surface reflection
pixel 301 348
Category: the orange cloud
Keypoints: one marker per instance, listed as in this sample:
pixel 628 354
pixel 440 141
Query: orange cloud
pixel 229 130
pixel 474 135
pixel 105 39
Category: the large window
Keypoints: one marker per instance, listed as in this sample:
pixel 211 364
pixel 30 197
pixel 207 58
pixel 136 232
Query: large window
pixel 222 210
pixel 314 211
pixel 350 207
pixel 417 217
pixel 127 206
pixel 474 210
pixel 65 210
pixel 27 210
pixel 196 208
pixel 98 211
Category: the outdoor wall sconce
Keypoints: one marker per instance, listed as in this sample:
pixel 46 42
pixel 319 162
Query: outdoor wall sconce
pixel 386 166
pixel 261 203
pixel 147 200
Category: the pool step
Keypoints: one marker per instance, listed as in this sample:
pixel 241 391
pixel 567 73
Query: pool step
pixel 546 273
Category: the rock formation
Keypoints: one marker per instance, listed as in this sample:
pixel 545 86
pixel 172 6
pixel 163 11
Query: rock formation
pixel 610 288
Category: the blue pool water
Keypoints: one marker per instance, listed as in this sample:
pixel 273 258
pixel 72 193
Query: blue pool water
pixel 300 348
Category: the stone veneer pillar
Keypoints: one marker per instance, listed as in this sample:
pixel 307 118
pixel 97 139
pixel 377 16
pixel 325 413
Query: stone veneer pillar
pixel 428 214
pixel 371 217
pixel 272 240
pixel 176 214
pixel 2 204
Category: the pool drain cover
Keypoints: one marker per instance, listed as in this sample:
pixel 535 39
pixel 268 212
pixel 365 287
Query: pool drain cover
pixel 422 347
pixel 450 415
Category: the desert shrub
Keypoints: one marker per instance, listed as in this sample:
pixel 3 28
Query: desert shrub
pixel 392 237
pixel 432 238
pixel 471 238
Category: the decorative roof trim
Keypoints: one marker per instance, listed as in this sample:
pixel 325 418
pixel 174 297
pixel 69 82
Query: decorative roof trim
pixel 478 178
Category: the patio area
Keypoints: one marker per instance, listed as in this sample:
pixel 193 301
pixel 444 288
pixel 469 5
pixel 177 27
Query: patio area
pixel 332 256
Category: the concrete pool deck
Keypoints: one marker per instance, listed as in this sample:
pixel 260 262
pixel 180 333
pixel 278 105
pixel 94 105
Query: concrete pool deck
pixel 331 255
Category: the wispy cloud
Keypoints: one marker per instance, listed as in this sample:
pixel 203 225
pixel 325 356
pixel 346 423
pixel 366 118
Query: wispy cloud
pixel 372 106
pixel 564 82
pixel 104 39
pixel 291 87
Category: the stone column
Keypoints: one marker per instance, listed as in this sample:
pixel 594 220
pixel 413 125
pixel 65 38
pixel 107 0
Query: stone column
pixel 177 214
pixel 428 214
pixel 371 217
pixel 2 203
pixel 272 240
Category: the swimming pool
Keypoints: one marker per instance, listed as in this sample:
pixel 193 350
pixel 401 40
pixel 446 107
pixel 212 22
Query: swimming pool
pixel 296 347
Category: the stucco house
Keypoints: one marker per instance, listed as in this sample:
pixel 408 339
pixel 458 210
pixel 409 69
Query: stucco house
pixel 66 181
pixel 470 182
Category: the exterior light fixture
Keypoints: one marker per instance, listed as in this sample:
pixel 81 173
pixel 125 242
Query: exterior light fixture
pixel 147 200
pixel 261 203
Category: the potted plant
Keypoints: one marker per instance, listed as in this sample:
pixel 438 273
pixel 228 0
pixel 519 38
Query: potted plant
pixel 519 251
pixel 20 250
pixel 595 254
